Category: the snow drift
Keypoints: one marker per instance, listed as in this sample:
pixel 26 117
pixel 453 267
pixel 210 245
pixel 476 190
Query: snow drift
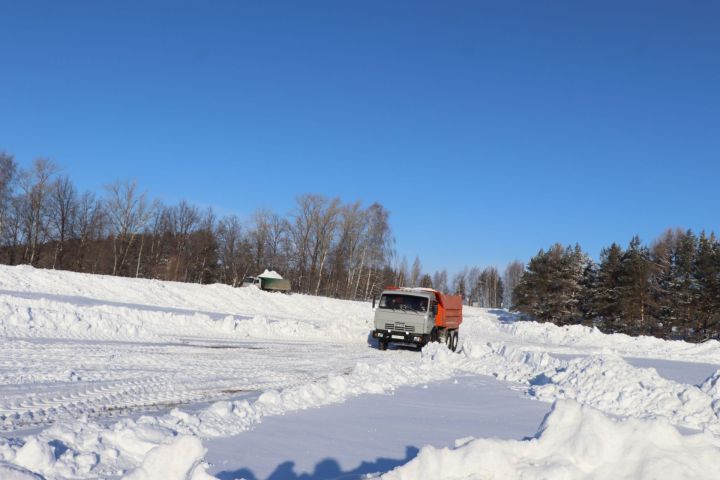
pixel 575 443
pixel 57 304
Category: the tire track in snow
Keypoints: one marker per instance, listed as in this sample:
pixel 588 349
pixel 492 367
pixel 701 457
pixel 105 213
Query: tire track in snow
pixel 70 379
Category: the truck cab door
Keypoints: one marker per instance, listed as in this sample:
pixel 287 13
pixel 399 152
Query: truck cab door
pixel 432 312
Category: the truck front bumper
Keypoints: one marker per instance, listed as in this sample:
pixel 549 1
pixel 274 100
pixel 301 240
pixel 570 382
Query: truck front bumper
pixel 401 337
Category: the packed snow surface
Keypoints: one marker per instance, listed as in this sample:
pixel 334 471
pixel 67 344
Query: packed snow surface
pixel 107 377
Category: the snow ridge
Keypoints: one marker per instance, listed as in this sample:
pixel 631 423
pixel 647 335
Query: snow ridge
pixel 572 443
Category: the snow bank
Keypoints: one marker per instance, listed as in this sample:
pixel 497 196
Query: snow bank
pixel 575 442
pixel 483 324
pixel 180 459
pixel 14 472
pixel 57 304
pixel 610 384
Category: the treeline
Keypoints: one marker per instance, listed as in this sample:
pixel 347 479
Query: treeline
pixel 479 287
pixel 324 246
pixel 670 289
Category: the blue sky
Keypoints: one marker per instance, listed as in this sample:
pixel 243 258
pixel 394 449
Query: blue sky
pixel 489 129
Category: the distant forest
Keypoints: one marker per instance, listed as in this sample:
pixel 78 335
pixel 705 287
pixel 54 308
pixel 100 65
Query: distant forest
pixel 670 289
pixel 323 246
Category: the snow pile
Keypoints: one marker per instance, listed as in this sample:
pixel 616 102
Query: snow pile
pixel 149 452
pixel 578 339
pixel 606 382
pixel 711 387
pixel 14 472
pixel 506 362
pixel 612 385
pixel 575 442
pixel 180 459
pixel 58 304
pixel 270 274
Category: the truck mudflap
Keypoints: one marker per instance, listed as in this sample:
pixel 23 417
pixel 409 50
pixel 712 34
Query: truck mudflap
pixel 401 337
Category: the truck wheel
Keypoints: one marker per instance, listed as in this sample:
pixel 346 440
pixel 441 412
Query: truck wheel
pixel 449 338
pixel 382 345
pixel 455 338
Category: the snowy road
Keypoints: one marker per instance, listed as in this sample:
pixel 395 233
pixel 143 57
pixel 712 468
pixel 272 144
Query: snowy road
pixel 104 377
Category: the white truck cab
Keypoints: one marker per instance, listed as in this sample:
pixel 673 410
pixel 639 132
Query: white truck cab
pixel 416 316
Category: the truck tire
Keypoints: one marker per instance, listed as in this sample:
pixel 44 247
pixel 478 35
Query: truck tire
pixel 449 338
pixel 382 344
pixel 454 341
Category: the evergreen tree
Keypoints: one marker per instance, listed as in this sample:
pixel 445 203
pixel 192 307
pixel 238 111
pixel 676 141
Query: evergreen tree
pixel 588 285
pixel 684 286
pixel 635 297
pixel 662 309
pixel 708 283
pixel 552 287
pixel 527 293
pixel 605 290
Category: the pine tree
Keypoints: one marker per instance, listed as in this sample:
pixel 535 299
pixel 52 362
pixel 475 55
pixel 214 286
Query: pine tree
pixel 708 283
pixel 552 287
pixel 684 285
pixel 606 289
pixel 531 287
pixel 662 309
pixel 635 298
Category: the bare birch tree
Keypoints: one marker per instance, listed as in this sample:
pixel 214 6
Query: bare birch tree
pixel 62 212
pixel 128 211
pixel 35 185
pixel 8 170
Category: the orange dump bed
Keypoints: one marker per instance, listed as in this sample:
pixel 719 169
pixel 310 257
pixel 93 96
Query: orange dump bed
pixel 449 310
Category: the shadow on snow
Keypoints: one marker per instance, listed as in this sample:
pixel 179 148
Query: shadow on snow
pixel 327 469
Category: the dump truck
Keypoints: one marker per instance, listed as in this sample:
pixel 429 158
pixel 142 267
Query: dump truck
pixel 269 281
pixel 417 316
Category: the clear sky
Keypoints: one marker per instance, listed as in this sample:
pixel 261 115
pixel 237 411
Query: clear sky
pixel 489 129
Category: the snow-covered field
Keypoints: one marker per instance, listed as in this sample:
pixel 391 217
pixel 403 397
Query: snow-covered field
pixel 105 377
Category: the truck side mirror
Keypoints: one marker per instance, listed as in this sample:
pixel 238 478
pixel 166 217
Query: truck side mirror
pixel 373 301
pixel 434 309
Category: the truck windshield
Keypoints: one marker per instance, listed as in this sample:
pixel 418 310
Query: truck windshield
pixel 409 303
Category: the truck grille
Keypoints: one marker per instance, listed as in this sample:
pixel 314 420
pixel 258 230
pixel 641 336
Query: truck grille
pixel 399 327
